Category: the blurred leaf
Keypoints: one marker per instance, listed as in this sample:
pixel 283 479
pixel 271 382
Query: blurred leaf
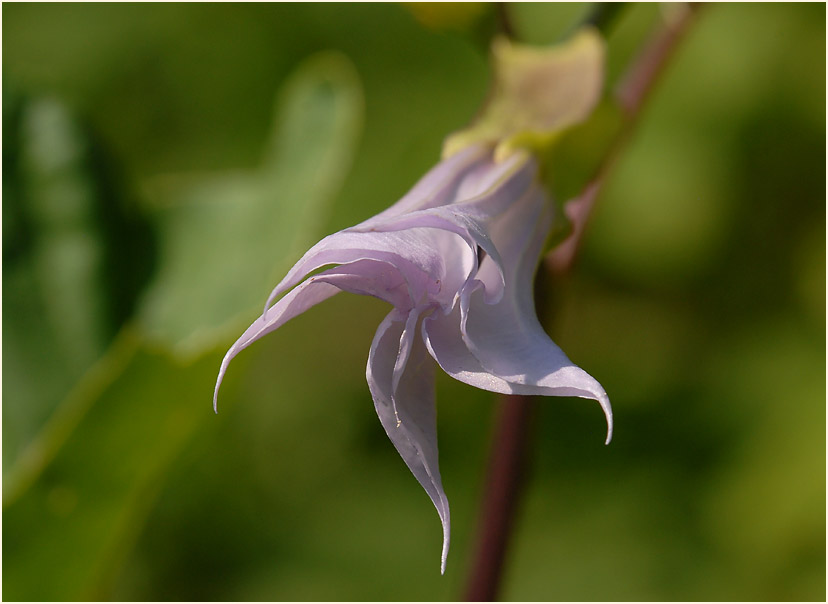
pixel 447 15
pixel 226 238
pixel 139 406
pixel 70 274
pixel 94 484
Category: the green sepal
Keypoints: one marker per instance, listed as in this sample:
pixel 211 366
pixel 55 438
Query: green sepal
pixel 537 94
pixel 575 157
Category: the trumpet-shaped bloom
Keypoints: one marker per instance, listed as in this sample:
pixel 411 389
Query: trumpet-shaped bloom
pixel 455 257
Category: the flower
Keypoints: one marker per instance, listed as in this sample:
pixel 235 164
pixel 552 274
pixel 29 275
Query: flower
pixel 456 258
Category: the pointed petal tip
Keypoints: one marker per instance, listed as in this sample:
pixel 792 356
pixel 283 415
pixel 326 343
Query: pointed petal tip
pixel 218 385
pixel 225 362
pixel 446 541
pixel 605 405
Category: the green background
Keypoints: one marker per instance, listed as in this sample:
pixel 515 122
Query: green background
pixel 164 165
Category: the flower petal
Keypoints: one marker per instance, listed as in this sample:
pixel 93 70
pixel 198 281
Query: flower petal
pixel 487 192
pixel 370 278
pixel 401 250
pixel 507 338
pixel 502 347
pixel 554 374
pixel 405 234
pixel 401 379
pixel 367 277
pixel 444 341
pixel 438 187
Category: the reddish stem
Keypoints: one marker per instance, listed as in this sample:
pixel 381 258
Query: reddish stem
pixel 632 94
pixel 504 483
pixel 506 470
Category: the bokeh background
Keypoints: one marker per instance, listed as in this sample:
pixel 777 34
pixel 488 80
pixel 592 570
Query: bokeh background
pixel 163 166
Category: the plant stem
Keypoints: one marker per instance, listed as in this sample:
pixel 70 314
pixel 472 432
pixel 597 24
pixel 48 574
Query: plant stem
pixel 632 93
pixel 504 483
pixel 504 22
pixel 507 465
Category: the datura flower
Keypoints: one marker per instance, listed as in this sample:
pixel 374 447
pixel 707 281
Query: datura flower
pixel 455 257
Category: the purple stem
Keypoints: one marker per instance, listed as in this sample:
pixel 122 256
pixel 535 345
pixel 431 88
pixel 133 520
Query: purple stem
pixel 504 483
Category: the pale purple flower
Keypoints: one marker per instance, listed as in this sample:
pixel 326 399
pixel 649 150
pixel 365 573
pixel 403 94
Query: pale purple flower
pixel 456 258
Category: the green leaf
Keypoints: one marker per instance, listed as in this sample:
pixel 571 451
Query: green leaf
pixel 78 494
pixel 226 239
pixel 75 507
pixel 70 271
